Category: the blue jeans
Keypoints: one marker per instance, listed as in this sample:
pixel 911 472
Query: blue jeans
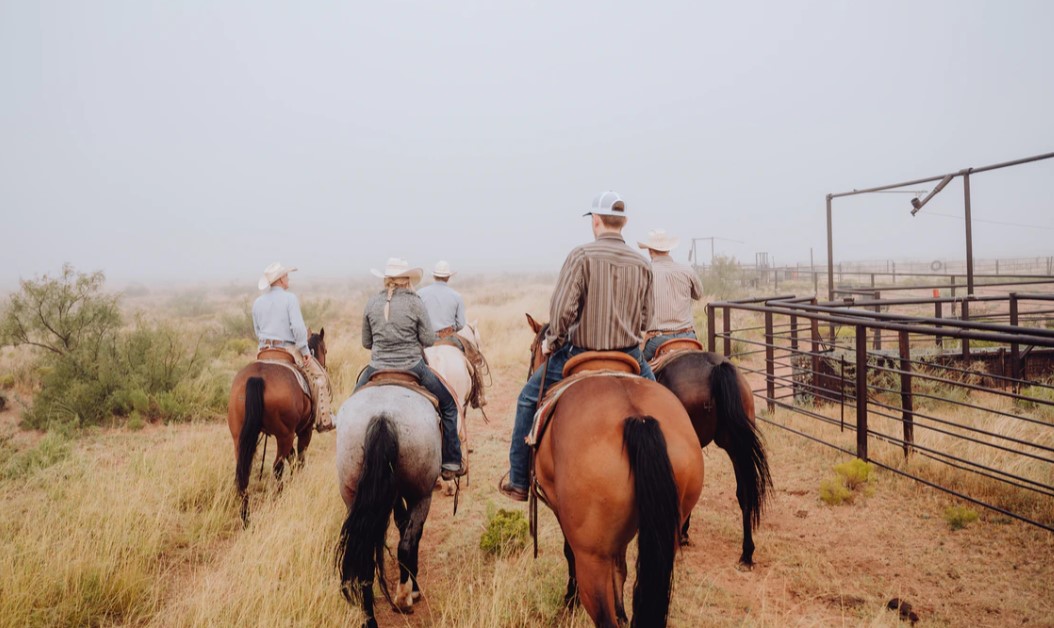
pixel 447 410
pixel 652 345
pixel 527 405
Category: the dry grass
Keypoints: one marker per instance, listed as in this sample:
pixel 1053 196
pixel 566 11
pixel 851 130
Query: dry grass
pixel 141 528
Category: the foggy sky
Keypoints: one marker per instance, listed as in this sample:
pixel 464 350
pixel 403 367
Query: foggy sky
pixel 202 140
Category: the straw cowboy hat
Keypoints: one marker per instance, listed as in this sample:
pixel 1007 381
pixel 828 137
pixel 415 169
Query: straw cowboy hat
pixel 397 267
pixel 659 240
pixel 442 269
pixel 271 274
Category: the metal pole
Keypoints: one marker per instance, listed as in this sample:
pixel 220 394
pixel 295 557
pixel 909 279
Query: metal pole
pixel 861 392
pixel 969 236
pixel 830 254
pixel 906 399
pixel 770 364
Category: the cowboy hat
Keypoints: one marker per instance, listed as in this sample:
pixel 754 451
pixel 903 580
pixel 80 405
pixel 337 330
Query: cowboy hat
pixel 607 203
pixel 271 274
pixel 659 240
pixel 397 267
pixel 442 269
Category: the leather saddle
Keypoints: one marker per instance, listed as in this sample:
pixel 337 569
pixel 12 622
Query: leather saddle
pixel 402 378
pixel 276 355
pixel 616 361
pixel 678 344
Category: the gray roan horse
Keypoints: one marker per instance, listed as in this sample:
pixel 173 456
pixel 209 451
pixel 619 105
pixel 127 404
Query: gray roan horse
pixel 388 459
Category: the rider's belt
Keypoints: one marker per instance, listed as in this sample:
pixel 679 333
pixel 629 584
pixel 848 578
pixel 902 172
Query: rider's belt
pixel 664 332
pixel 446 331
pixel 270 342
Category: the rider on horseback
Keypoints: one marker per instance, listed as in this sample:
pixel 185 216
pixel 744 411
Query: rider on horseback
pixel 446 308
pixel 602 302
pixel 396 328
pixel 280 325
pixel 676 286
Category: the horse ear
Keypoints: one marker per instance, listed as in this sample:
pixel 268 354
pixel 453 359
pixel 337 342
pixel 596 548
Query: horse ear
pixel 322 333
pixel 535 325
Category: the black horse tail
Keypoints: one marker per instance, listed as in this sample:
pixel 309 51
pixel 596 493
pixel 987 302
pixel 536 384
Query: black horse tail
pixel 740 438
pixel 250 435
pixel 659 516
pixel 360 550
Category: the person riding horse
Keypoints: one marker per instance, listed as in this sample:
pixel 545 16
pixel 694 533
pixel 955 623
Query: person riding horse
pixel 446 309
pixel 396 328
pixel 676 286
pixel 279 324
pixel 601 302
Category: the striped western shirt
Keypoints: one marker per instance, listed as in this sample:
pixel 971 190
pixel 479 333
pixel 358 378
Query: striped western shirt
pixel 602 298
pixel 676 286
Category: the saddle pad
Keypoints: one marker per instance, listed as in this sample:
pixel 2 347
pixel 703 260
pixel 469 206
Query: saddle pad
pixel 417 388
pixel 548 404
pixel 300 379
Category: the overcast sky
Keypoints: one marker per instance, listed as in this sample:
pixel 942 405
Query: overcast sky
pixel 160 140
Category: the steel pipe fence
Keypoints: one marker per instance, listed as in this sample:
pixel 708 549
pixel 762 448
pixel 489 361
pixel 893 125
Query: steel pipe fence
pixel 871 379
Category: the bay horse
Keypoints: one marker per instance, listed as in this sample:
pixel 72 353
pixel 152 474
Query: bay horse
pixel 267 399
pixel 388 459
pixel 721 405
pixel 604 431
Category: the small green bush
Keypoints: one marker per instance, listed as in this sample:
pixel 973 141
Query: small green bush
pixel 958 517
pixel 855 473
pixel 7 381
pixel 506 533
pixel 52 449
pixel 135 422
pixel 834 492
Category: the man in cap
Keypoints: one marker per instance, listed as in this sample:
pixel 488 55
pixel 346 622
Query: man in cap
pixel 279 324
pixel 676 286
pixel 601 302
pixel 445 306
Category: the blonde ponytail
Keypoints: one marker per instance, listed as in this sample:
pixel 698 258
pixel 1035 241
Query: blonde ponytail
pixel 390 284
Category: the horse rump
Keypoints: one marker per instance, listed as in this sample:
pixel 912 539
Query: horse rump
pixel 360 549
pixel 658 513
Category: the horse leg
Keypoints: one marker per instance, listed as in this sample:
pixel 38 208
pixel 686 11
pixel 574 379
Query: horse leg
pixel 571 597
pixel 409 544
pixel 596 589
pixel 685 541
pixel 284 447
pixel 303 439
pixel 746 559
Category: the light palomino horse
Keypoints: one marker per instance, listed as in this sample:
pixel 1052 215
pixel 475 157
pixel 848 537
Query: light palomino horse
pixel 388 459
pixel 452 365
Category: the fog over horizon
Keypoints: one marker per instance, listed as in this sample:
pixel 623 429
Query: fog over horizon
pixel 201 141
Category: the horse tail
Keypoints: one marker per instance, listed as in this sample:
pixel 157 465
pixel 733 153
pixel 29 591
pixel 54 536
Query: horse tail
pixel 743 441
pixel 360 550
pixel 659 516
pixel 250 434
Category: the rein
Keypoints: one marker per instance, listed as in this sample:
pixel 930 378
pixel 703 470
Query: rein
pixel 532 494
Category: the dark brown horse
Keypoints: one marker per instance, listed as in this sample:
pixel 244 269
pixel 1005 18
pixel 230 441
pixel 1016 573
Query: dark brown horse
pixel 619 458
pixel 721 405
pixel 267 399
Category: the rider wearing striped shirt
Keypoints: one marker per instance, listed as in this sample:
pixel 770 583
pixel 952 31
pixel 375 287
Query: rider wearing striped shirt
pixel 602 302
pixel 676 286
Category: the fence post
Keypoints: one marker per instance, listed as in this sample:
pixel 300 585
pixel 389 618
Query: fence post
pixel 794 333
pixel 1015 348
pixel 907 403
pixel 815 329
pixel 861 392
pixel 711 337
pixel 726 320
pixel 770 364
pixel 966 317
pixel 878 332
pixel 938 312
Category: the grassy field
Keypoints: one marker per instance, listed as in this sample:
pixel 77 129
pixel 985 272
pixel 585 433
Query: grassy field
pixel 118 526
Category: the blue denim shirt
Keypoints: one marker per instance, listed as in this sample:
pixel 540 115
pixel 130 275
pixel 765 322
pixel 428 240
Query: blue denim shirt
pixel 445 306
pixel 276 316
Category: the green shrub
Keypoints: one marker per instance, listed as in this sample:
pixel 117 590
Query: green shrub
pixel 506 533
pixel 723 279
pixel 135 422
pixel 834 492
pixel 855 473
pixel 958 517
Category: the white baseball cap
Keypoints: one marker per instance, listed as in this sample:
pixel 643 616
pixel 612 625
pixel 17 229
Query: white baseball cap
pixel 608 203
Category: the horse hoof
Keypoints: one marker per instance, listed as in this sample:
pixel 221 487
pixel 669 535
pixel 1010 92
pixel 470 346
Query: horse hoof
pixel 416 596
pixel 744 567
pixel 686 542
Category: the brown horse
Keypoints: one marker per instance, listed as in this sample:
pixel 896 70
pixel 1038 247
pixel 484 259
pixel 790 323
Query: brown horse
pixel 721 405
pixel 267 398
pixel 604 431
